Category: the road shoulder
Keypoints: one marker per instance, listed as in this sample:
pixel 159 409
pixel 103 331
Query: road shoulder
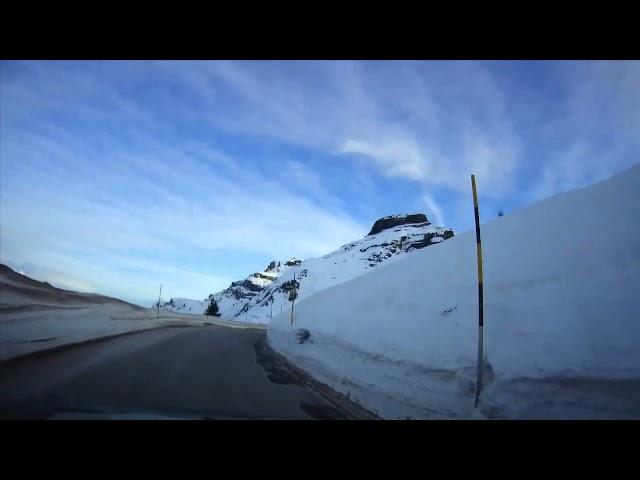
pixel 280 370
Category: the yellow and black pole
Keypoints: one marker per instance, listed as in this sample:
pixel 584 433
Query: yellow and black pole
pixel 480 296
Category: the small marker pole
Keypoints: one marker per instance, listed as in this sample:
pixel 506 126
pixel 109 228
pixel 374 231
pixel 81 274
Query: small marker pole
pixel 159 296
pixel 480 292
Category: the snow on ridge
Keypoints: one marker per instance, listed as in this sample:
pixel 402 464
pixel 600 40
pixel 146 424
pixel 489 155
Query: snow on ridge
pixel 397 215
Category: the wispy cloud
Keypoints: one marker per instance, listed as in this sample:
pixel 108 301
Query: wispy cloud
pixel 423 122
pixel 595 130
pixel 161 202
pixel 434 209
pixel 102 195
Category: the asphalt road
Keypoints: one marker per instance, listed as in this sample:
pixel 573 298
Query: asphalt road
pixel 209 372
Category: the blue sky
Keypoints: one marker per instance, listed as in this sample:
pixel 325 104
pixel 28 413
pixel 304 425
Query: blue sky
pixel 117 176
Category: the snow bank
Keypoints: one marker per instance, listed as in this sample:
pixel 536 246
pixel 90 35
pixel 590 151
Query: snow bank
pixel 561 281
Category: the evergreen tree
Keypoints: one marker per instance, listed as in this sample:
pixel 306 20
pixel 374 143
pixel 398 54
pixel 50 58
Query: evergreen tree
pixel 212 309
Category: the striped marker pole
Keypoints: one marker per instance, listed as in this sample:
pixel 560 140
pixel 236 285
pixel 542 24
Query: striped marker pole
pixel 480 296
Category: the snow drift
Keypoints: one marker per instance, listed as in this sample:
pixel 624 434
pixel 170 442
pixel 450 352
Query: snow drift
pixel 562 326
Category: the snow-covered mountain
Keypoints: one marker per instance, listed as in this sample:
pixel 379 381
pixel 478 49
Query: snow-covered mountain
pixel 232 299
pixel 561 329
pixel 265 294
pixel 389 239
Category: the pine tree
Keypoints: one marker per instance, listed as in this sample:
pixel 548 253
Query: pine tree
pixel 212 309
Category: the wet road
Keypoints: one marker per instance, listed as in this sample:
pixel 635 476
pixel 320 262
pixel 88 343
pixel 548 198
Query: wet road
pixel 209 372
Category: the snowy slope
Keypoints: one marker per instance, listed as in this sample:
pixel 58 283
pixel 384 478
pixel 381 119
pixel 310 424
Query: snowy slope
pixel 232 299
pixel 562 329
pixel 346 263
pixel 264 294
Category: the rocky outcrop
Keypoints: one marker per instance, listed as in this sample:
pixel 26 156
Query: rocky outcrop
pixel 429 239
pixel 252 287
pixel 396 220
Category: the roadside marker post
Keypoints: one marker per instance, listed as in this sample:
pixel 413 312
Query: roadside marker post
pixel 480 291
pixel 159 296
pixel 293 294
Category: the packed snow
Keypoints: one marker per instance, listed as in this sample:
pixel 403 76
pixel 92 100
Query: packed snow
pixel 561 303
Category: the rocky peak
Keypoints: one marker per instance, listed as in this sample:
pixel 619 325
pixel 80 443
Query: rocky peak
pixel 396 220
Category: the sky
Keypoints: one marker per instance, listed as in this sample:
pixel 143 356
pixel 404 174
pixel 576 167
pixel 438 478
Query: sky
pixel 117 176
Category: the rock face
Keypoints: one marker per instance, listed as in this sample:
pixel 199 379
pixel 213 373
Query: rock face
pixel 395 220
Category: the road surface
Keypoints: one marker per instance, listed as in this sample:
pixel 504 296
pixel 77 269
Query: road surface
pixel 210 372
